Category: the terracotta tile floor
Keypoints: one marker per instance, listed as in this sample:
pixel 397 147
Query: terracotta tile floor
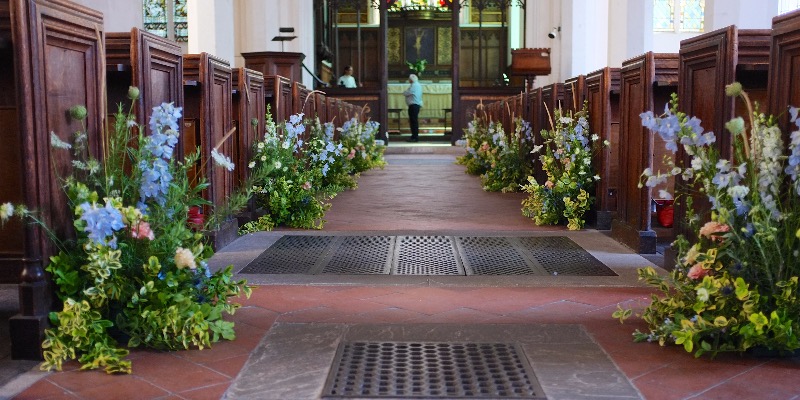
pixel 658 373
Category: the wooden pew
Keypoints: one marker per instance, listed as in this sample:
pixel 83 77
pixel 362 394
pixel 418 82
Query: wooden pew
pixel 784 82
pixel 601 90
pixel 149 62
pixel 248 106
pixel 550 97
pixel 708 63
pixel 278 95
pixel 574 93
pixel 207 120
pixel 646 83
pixel 34 99
pixel 536 112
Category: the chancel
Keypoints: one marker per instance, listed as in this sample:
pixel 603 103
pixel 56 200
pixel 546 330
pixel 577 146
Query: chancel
pixel 192 205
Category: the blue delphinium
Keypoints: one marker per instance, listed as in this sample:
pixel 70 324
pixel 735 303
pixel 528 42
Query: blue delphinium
pixel 101 222
pixel 165 117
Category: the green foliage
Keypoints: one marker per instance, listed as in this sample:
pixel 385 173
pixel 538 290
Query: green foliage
pixel 136 269
pixel 566 156
pixel 735 286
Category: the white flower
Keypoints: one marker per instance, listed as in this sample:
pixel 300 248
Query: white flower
pixel 606 143
pixel 263 158
pixel 222 160
pixel 260 145
pixel 597 177
pixel 565 120
pixel 663 194
pixel 697 164
pixel 595 137
pixel 675 171
pixel 184 259
pixel 286 144
pixel 278 165
pixel 536 148
pixel 251 165
pixel 6 211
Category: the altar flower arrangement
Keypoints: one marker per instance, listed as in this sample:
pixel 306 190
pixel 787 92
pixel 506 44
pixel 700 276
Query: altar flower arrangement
pixel 735 285
pixel 135 272
pixel 566 156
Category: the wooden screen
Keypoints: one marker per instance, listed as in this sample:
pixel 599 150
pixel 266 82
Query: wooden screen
pixel 602 94
pixel 646 83
pixel 784 73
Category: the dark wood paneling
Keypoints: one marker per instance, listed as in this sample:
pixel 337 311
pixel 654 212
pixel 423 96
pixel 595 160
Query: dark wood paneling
pixel 284 64
pixel 784 73
pixel 363 61
pixel 602 93
pixel 248 105
pixel 214 114
pixel 151 63
pixel 57 64
pixel 364 102
pixel 646 83
pixel 707 63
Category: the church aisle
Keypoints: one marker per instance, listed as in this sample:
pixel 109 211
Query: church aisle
pixel 426 193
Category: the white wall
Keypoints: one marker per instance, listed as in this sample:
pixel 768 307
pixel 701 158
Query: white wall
pixel 257 22
pixel 211 28
pixel 587 50
pixel 118 15
pixel 542 17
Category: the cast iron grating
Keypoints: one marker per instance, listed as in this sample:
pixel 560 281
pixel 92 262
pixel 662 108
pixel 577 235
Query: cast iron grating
pixel 291 254
pixel 361 255
pixel 426 255
pixel 492 256
pixel 431 370
pixel 559 255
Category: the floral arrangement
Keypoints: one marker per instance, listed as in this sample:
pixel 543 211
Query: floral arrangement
pixel 735 285
pixel 566 156
pixel 360 146
pixel 301 176
pixel 508 159
pixel 136 271
pixel 477 138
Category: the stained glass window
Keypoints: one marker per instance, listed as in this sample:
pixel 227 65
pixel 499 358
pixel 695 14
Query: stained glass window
pixel 663 16
pixel 692 15
pixel 785 6
pixel 166 18
pixel 155 17
pixel 181 22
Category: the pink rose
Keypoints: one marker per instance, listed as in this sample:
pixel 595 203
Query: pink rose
pixel 142 230
pixel 352 154
pixel 549 184
pixel 712 228
pixel 697 271
pixel 307 185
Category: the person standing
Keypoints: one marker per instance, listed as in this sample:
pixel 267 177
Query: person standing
pixel 347 80
pixel 414 101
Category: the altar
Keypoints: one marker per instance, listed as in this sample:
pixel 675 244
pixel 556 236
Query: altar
pixel 436 98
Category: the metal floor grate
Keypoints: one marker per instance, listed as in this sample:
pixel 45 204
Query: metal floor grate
pixel 431 370
pixel 427 255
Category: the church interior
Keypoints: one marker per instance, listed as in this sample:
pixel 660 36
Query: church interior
pixel 414 279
